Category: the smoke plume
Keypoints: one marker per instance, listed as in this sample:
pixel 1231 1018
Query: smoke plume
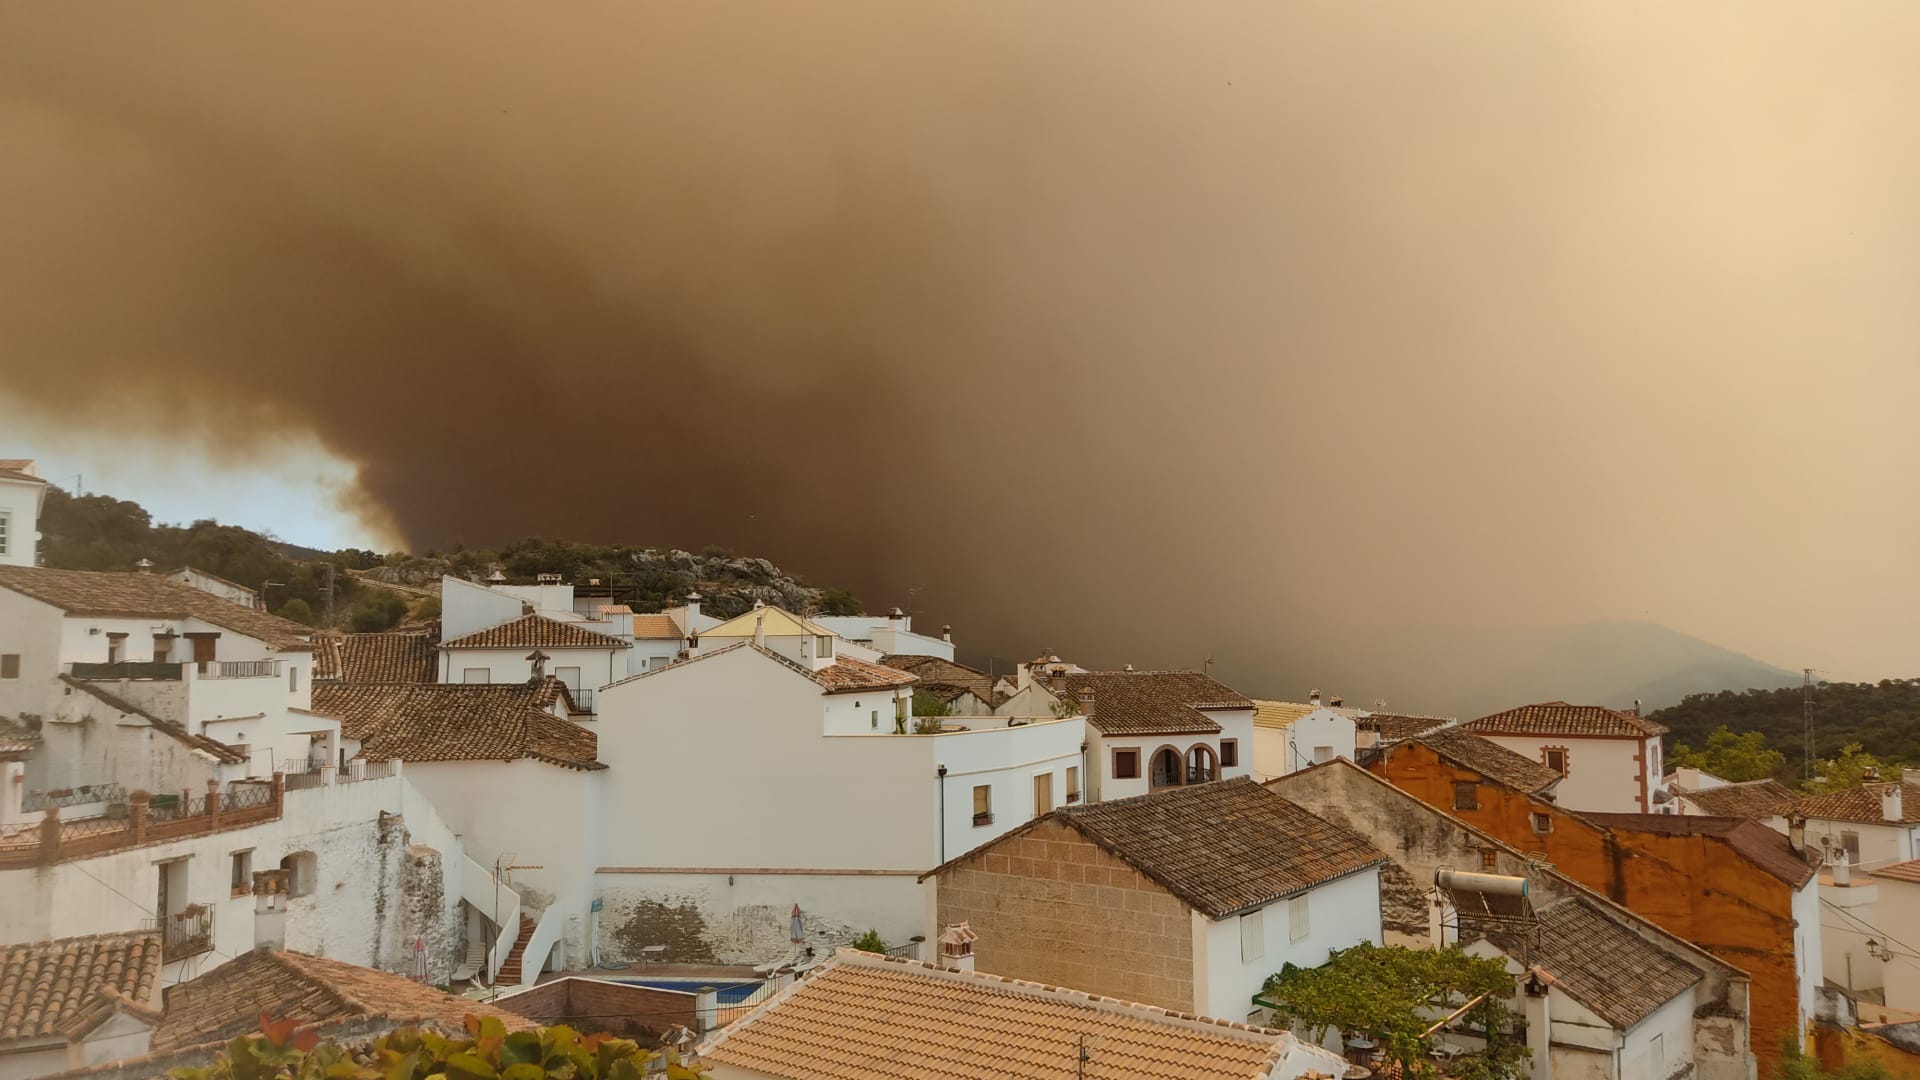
pixel 1141 331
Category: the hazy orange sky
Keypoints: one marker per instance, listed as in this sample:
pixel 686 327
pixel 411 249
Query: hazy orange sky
pixel 1134 326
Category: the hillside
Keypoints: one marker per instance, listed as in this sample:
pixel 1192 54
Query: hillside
pixel 1470 671
pixel 1883 717
pixel 99 532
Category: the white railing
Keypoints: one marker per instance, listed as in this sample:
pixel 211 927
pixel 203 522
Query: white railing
pixel 546 934
pixel 478 889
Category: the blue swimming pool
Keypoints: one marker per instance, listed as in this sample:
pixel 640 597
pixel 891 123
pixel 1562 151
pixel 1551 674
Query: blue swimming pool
pixel 731 993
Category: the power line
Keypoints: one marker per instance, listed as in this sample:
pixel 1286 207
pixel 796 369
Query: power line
pixel 1883 934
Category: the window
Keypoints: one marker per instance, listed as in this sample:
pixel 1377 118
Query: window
pixel 1126 764
pixel 983 805
pixel 116 648
pixel 1850 842
pixel 476 675
pixel 1542 823
pixel 1043 794
pixel 1322 754
pixel 1466 795
pixel 242 872
pixel 569 676
pixel 162 648
pixel 1555 758
pixel 1253 936
pixel 1229 753
pixel 293 678
pixel 301 869
pixel 1299 921
pixel 822 646
pixel 873 716
pixel 1657 1057
pixel 1489 859
pixel 9 665
pixel 1073 783
pixel 6 530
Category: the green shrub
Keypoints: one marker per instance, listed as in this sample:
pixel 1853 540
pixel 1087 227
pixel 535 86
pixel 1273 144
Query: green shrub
pixel 870 942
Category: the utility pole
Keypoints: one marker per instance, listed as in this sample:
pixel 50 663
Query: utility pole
pixel 1806 718
pixel 329 618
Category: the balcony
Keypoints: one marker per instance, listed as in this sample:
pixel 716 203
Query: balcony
pixel 127 669
pixel 239 669
pixel 188 933
pixel 582 699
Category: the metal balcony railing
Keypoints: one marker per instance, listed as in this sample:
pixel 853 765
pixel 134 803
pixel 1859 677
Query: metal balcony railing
pixel 126 669
pixel 77 795
pixel 240 669
pixel 188 933
pixel 582 699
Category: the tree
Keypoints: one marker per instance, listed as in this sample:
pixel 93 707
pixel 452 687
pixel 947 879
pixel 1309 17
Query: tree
pixel 1393 995
pixel 1794 1065
pixel 1738 758
pixel 925 704
pixel 839 602
pixel 282 1049
pixel 380 611
pixel 298 610
pixel 870 942
pixel 1848 770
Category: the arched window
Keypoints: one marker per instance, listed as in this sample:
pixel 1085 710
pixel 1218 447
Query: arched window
pixel 1203 765
pixel 1166 770
pixel 301 868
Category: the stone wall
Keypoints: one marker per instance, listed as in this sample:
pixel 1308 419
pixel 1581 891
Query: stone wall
pixel 593 1005
pixel 1051 906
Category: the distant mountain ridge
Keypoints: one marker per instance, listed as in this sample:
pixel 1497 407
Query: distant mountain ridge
pixel 1470 671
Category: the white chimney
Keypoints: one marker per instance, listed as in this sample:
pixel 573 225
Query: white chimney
pixel 1313 698
pixel 946 633
pixel 145 566
pixel 956 946
pixel 759 628
pixel 896 619
pixel 1891 807
pixel 693 611
pixel 1838 866
pixel 706 1009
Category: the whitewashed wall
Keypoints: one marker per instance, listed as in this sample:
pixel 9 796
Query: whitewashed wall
pixel 1340 913
pixel 1602 774
pixel 598 666
pixel 31 630
pixel 466 608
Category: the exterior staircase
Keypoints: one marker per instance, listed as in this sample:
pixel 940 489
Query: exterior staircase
pixel 510 968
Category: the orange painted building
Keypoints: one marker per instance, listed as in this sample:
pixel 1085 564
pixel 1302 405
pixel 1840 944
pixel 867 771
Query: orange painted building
pixel 1729 885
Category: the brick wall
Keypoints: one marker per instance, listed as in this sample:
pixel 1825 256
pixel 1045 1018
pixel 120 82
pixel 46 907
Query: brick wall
pixel 1696 887
pixel 590 1005
pixel 1052 906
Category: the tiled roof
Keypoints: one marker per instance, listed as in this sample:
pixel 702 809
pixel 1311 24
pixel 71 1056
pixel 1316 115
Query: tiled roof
pixel 16 738
pixel 145 596
pixel 842 676
pixel 656 628
pixel 19 469
pixel 861 1016
pixel 1560 718
pixel 228 1000
pixel 937 671
pixel 1763 847
pixel 1278 714
pixel 1488 758
pixel 1152 702
pixel 1223 847
pixel 536 632
pixel 96 690
pixel 1620 975
pixel 45 985
pixel 1752 799
pixel 1394 727
pixel 1861 804
pixel 456 722
pixel 1901 871
pixel 374 658
pixel 778 621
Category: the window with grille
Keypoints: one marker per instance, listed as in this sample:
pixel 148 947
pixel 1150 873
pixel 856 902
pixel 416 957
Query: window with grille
pixel 6 531
pixel 1466 795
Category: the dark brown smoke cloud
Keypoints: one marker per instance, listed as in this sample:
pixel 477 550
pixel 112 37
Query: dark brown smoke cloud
pixel 1141 331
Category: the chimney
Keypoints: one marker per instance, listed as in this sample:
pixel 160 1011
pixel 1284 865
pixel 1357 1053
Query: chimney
pixel 1086 701
pixel 1891 804
pixel 1056 675
pixel 1313 698
pixel 956 947
pixel 946 633
pixel 145 566
pixel 1336 701
pixel 1838 866
pixel 896 619
pixel 496 578
pixel 706 1009
pixel 1797 833
pixel 759 627
pixel 539 660
pixel 1870 774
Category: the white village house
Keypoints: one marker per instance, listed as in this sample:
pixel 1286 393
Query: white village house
pixel 1149 730
pixel 1610 759
pixel 22 493
pixel 1288 736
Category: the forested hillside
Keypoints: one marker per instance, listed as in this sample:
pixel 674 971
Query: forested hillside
pixel 99 532
pixel 1883 717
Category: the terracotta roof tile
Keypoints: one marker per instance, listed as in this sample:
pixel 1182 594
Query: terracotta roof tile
pixel 1395 727
pixel 88 592
pixel 536 632
pixel 1602 964
pixel 374 658
pixel 655 628
pixel 1861 804
pixel 1902 871
pixel 845 675
pixel 294 986
pixel 1752 799
pixel 1759 845
pixel 867 1017
pixel 934 671
pixel 1153 702
pixel 1560 718
pixel 47 984
pixel 1488 758
pixel 1223 847
pixel 16 738
pixel 456 722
